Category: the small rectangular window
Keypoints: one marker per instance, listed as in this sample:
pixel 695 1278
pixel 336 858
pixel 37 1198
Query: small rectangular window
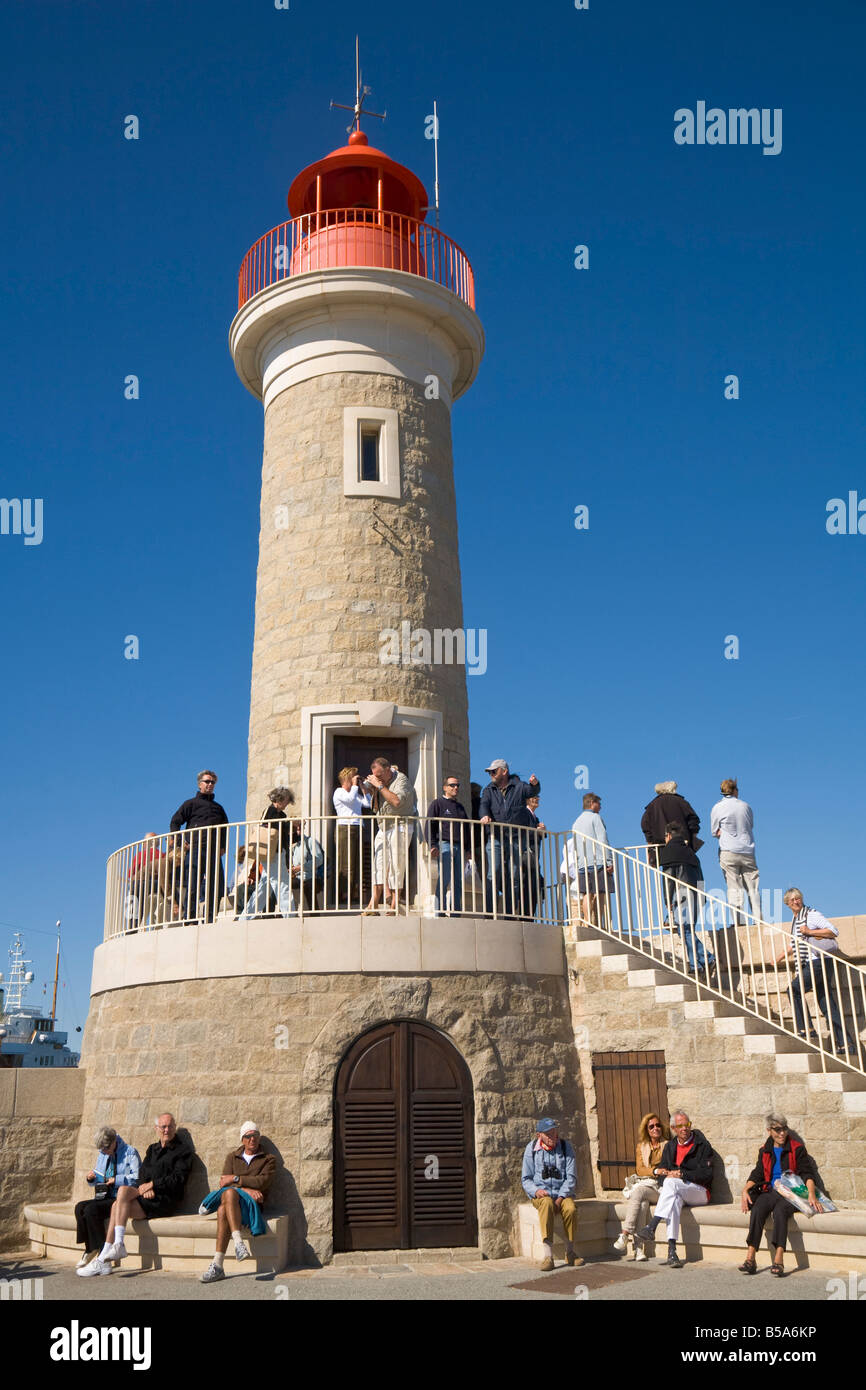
pixel 370 471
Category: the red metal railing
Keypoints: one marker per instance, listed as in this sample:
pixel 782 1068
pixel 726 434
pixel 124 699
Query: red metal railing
pixel 355 237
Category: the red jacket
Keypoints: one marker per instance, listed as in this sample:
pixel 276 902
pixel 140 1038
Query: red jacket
pixel 798 1161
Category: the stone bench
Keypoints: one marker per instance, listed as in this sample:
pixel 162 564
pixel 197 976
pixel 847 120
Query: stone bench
pixel 716 1233
pixel 184 1244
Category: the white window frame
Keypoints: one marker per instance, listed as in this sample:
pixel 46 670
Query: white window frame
pixel 387 421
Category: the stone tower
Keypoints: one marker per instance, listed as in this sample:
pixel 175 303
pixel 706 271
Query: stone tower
pixel 357 331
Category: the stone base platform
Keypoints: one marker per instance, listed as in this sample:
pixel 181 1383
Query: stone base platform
pixel 464 1254
pixel 834 1241
pixel 184 1244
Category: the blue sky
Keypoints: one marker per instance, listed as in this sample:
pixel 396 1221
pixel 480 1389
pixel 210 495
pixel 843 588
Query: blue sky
pixel 602 387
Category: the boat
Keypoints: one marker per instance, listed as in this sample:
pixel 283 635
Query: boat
pixel 29 1037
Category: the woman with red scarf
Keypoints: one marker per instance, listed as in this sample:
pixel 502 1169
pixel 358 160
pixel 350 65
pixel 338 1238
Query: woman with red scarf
pixel 782 1153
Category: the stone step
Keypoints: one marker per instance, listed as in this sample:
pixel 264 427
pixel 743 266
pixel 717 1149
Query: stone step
pixel 773 1043
pixel 615 964
pixel 835 1081
pixel 675 993
pixel 644 979
pixel 710 1008
pixel 797 1063
pixel 738 1026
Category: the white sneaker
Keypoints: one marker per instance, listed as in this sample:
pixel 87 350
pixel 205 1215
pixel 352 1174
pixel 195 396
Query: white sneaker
pixel 96 1266
pixel 86 1258
pixel 622 1243
pixel 640 1253
pixel 241 1251
pixel 116 1252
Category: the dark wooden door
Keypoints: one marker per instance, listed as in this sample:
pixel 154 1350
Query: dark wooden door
pixel 404 1167
pixel 351 751
pixel 627 1085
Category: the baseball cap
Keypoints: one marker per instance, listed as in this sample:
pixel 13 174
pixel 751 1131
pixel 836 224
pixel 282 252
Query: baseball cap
pixel 546 1125
pixel 496 765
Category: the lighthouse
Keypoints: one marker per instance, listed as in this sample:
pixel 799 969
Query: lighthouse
pixel 395 1063
pixel 357 330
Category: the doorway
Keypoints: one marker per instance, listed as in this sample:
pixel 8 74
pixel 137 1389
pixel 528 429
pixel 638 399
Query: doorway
pixel 404 1159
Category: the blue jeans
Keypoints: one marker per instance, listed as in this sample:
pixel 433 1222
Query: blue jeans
pixel 682 902
pixel 450 863
pixel 278 883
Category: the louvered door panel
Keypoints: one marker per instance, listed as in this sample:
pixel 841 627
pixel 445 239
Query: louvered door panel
pixel 404 1166
pixel 440 1122
pixel 370 1185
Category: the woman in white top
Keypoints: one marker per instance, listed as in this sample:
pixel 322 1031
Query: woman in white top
pixel 349 803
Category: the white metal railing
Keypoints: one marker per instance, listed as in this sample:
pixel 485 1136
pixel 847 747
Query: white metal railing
pixel 326 865
pixel 728 952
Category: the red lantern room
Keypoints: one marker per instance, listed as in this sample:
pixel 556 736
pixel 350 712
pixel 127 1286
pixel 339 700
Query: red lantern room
pixel 361 178
pixel 358 207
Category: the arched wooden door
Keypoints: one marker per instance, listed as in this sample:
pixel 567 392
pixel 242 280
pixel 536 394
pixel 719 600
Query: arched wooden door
pixel 404 1164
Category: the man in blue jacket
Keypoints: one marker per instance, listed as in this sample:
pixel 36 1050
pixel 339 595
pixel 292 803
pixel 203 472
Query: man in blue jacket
pixel 503 803
pixel 548 1181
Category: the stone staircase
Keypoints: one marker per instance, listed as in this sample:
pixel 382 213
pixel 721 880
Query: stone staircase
pixel 726 1067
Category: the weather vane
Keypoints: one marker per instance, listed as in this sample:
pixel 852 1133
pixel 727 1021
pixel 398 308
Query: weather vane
pixel 360 93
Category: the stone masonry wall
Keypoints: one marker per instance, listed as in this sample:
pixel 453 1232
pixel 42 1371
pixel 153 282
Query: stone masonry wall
pixel 726 1093
pixel 40 1114
pixel 348 567
pixel 220 1051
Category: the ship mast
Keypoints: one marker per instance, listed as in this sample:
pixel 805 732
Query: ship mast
pixel 56 974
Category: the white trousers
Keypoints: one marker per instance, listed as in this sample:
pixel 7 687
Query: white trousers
pixel 391 849
pixel 675 1194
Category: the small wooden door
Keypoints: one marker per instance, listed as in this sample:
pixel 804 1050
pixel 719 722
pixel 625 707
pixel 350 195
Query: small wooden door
pixel 627 1085
pixel 404 1166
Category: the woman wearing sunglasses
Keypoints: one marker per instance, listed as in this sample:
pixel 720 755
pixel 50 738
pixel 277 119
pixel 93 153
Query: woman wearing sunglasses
pixel 652 1135
pixel 782 1153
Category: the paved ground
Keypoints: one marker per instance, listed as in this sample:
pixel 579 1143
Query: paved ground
pixel 599 1280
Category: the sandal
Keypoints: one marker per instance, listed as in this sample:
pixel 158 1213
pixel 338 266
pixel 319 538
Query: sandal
pixel 748 1267
pixel 778 1270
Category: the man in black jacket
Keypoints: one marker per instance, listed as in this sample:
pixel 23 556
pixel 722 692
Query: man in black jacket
pixel 687 1170
pixel 449 844
pixel 162 1180
pixel 503 803
pixel 678 861
pixel 668 805
pixel 204 868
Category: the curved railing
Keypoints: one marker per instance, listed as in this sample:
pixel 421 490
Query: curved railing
pixel 326 866
pixel 355 237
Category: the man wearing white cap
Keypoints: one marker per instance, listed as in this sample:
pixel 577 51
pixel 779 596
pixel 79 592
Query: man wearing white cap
pixel 250 1168
pixel 503 803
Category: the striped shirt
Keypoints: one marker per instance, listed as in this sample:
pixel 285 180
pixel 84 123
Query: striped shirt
pixel 805 948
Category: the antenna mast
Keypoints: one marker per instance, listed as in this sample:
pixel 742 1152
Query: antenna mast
pixel 436 161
